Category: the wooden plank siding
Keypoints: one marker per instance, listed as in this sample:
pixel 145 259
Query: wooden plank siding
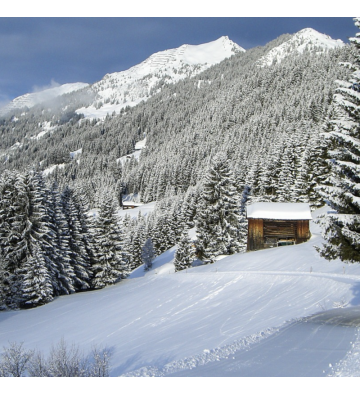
pixel 278 228
pixel 265 233
pixel 302 231
pixel 255 234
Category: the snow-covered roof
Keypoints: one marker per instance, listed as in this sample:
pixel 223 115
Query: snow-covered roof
pixel 296 211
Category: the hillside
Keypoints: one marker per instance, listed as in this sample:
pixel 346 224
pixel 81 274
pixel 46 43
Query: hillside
pixel 163 322
pixel 195 136
pixel 228 108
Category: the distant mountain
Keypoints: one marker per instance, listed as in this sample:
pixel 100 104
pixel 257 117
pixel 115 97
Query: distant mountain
pixel 129 87
pixel 304 40
pixel 31 99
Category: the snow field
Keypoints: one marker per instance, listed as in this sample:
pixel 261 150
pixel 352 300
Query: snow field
pixel 160 321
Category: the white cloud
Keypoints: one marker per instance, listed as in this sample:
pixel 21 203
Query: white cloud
pixel 53 84
pixel 4 100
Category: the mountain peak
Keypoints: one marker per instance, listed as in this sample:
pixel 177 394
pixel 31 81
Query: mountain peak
pixel 129 87
pixel 209 53
pixel 321 39
pixel 305 39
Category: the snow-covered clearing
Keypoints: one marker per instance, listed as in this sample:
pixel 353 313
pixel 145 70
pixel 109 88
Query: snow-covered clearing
pixel 145 209
pixel 161 322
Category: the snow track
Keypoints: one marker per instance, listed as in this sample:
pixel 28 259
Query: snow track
pixel 313 345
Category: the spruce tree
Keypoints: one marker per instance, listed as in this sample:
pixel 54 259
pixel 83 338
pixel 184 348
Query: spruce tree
pixel 25 236
pixel 342 187
pixel 37 285
pixel 217 218
pixel 138 239
pixel 109 261
pixel 13 208
pixel 185 253
pixel 148 254
pixel 62 273
pixel 79 241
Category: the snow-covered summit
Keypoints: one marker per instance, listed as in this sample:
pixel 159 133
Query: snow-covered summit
pixel 208 53
pixel 129 87
pixel 305 40
pixel 31 99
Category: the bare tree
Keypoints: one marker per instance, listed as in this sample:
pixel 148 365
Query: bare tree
pixel 14 360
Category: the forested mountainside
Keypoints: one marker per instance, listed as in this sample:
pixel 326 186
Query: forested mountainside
pixel 257 115
pixel 243 130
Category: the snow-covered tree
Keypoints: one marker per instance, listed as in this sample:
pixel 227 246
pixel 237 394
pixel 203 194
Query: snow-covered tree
pixel 37 286
pixel 185 253
pixel 342 187
pixel 80 242
pixel 148 254
pixel 109 263
pixel 25 240
pixel 138 237
pixel 14 360
pixel 61 271
pixel 217 218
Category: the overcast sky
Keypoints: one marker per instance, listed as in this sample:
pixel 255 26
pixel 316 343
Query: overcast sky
pixel 36 52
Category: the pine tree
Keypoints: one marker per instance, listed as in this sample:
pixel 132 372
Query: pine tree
pixel 24 234
pixel 13 208
pixel 185 253
pixel 80 248
pixel 109 261
pixel 342 188
pixel 137 242
pixel 218 215
pixel 148 254
pixel 37 285
pixel 62 274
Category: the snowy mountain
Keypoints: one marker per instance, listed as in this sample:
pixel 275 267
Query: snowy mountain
pixel 128 88
pixel 304 40
pixel 31 99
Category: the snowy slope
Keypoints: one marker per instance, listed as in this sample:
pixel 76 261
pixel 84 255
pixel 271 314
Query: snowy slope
pixel 129 87
pixel 304 40
pixel 31 99
pixel 161 322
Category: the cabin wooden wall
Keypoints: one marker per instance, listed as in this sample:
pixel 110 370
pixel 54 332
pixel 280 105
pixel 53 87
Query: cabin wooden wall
pixel 302 231
pixel 255 234
pixel 259 229
pixel 279 228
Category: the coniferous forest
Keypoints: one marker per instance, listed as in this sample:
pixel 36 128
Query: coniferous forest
pixel 237 133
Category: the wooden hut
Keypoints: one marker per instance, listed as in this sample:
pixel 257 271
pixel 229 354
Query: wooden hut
pixel 277 224
pixel 130 205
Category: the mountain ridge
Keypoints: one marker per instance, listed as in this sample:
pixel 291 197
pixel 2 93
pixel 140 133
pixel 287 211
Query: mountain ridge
pixel 129 87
